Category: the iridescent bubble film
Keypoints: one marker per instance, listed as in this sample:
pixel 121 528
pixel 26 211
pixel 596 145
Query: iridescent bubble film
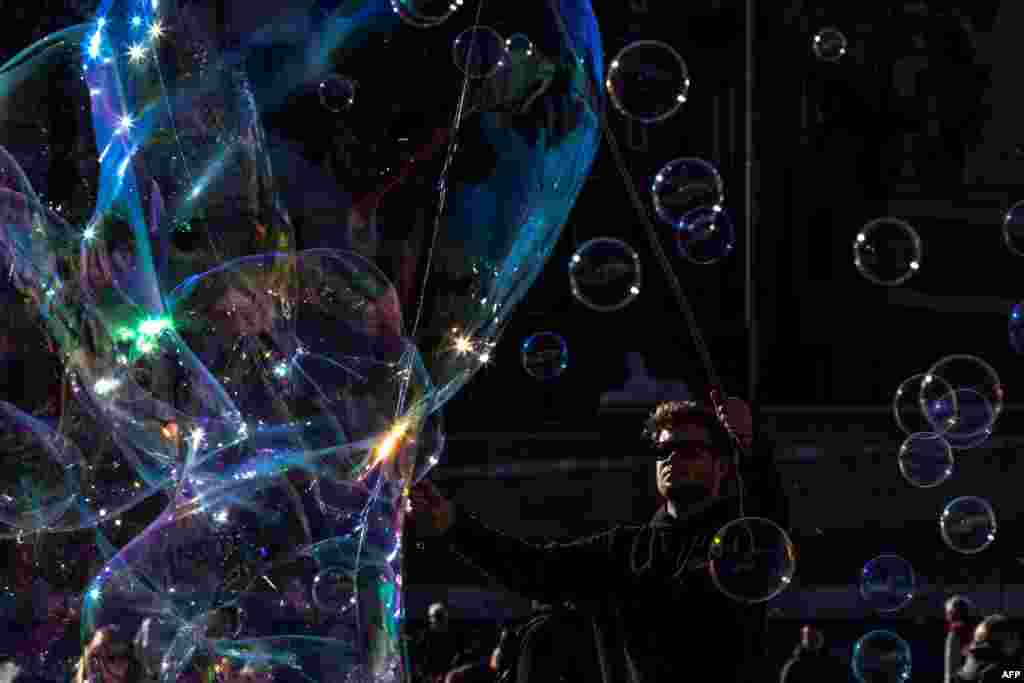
pixel 752 560
pixel 974 420
pixel 479 51
pixel 605 274
pixel 520 42
pixel 1013 229
pixel 881 657
pixel 968 524
pixel 829 44
pixel 648 81
pixel 425 13
pixel 545 355
pixel 707 236
pixel 1016 327
pixel 980 395
pixel 251 373
pixel 926 460
pixel 887 583
pixel 887 251
pixel 338 93
pixel 924 403
pixel 684 185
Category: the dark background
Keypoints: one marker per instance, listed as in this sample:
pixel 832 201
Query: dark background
pixel 918 121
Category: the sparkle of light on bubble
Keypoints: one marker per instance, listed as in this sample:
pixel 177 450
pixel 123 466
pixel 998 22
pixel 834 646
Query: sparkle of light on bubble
pixel 156 30
pixel 463 345
pixel 125 124
pixel 94 45
pixel 122 168
pixel 154 326
pixel 89 234
pixel 136 53
pixel 136 22
pixel 389 443
pixel 105 386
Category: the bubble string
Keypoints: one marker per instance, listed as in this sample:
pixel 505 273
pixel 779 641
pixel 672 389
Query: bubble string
pixel 439 139
pixel 369 204
pixel 443 180
pixel 714 381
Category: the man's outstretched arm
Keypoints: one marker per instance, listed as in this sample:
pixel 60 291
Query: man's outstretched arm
pixel 582 570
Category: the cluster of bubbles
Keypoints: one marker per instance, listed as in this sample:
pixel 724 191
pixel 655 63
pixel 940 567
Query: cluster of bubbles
pixel 952 407
pixel 264 369
pixel 689 197
pixel 648 82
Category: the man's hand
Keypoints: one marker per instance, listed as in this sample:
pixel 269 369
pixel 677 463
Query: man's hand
pixel 735 416
pixel 432 514
pixel 740 421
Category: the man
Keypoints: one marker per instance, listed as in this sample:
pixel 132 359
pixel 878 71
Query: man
pixel 810 660
pixel 996 650
pixel 647 589
pixel 436 647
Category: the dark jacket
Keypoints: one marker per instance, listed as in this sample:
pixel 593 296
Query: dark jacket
pixel 553 645
pixel 434 652
pixel 986 662
pixel 813 666
pixel 652 606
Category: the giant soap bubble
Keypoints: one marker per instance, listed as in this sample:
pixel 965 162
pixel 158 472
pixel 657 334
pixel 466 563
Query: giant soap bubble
pixel 261 300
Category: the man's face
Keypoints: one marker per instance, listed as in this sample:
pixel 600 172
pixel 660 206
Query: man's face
pixel 687 457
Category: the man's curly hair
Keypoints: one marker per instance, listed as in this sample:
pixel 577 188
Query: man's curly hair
pixel 673 413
